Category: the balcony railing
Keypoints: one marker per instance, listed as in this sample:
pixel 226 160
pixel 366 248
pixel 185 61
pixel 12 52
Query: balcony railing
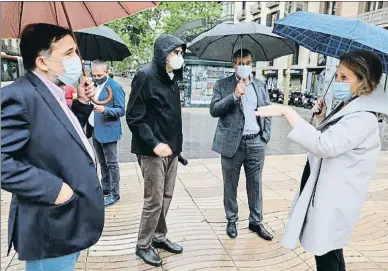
pixel 228 18
pixel 376 17
pixel 272 4
pixel 255 8
pixel 10 50
pixel 241 15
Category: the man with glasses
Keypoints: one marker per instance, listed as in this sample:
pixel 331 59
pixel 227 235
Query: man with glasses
pixel 241 139
pixel 155 120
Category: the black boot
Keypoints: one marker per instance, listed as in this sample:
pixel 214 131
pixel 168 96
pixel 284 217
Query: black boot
pixel 261 231
pixel 231 229
pixel 149 256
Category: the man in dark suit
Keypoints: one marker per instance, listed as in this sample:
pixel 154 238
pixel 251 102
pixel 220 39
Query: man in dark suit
pixel 105 128
pixel 241 139
pixel 48 165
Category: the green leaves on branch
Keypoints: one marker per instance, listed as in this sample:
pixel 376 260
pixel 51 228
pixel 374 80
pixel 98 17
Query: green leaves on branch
pixel 140 30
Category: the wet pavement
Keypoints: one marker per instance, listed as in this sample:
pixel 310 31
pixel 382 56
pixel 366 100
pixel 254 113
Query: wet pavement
pixel 198 132
pixel 196 220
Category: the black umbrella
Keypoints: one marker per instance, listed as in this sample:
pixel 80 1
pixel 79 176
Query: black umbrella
pixel 223 40
pixel 101 43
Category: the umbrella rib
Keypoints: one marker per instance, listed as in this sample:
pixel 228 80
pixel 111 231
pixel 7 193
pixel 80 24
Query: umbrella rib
pixel 90 14
pixel 261 46
pixel 209 45
pixel 234 44
pixel 55 13
pixel 20 17
pixel 124 8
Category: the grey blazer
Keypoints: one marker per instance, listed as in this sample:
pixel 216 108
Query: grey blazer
pixel 231 117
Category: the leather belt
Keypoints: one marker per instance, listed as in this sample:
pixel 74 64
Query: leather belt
pixel 249 137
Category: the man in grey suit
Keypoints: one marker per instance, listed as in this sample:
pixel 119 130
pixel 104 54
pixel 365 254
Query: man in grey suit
pixel 241 139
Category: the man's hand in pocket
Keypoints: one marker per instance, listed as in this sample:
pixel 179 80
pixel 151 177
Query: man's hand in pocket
pixel 64 195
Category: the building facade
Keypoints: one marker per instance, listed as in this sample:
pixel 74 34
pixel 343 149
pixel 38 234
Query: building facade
pixel 10 46
pixel 308 68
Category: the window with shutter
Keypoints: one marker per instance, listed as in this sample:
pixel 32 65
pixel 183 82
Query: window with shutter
pixel 268 23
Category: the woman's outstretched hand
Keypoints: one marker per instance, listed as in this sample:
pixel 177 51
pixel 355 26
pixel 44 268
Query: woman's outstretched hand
pixel 273 110
pixel 278 110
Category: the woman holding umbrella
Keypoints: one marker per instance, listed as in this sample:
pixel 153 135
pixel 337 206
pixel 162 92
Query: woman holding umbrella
pixel 342 157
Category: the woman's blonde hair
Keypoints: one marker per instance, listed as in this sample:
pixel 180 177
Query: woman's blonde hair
pixel 367 67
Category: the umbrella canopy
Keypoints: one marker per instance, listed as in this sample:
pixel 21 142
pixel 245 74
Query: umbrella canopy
pixel 223 40
pixel 16 15
pixel 101 43
pixel 333 35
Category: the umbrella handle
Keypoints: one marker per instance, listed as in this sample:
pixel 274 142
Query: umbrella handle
pixel 107 100
pixel 95 101
pixel 332 79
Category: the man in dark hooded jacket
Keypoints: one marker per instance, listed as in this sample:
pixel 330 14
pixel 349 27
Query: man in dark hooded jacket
pixel 155 120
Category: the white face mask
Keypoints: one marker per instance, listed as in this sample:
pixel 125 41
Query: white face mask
pixel 244 71
pixel 73 70
pixel 176 62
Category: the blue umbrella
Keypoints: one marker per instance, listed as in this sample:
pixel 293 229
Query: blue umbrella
pixel 333 35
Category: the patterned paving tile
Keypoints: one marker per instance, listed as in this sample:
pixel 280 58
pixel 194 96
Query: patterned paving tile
pixel 197 221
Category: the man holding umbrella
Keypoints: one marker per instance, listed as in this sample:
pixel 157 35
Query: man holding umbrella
pixel 241 139
pixel 105 128
pixel 47 162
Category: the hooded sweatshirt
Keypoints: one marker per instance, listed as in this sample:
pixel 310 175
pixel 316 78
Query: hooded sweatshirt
pixel 154 111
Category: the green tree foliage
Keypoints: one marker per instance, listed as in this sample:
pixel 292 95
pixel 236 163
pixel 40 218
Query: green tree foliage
pixel 140 30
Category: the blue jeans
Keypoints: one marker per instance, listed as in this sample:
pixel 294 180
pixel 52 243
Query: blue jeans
pixel 63 263
pixel 108 159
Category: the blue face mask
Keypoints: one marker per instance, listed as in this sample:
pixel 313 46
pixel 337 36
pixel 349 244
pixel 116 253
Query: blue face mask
pixel 341 91
pixel 73 70
pixel 244 71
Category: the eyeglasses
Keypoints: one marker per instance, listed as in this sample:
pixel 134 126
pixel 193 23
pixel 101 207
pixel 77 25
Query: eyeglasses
pixel 177 52
pixel 248 63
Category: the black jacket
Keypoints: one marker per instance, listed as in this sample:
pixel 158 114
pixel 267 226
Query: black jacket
pixel 40 149
pixel 154 110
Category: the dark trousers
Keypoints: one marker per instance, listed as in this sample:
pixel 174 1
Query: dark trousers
pixel 159 181
pixel 251 154
pixel 107 157
pixel 331 261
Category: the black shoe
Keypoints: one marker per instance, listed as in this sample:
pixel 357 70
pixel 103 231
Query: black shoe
pixel 231 230
pixel 168 246
pixel 261 231
pixel 149 256
pixel 110 200
pixel 106 192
